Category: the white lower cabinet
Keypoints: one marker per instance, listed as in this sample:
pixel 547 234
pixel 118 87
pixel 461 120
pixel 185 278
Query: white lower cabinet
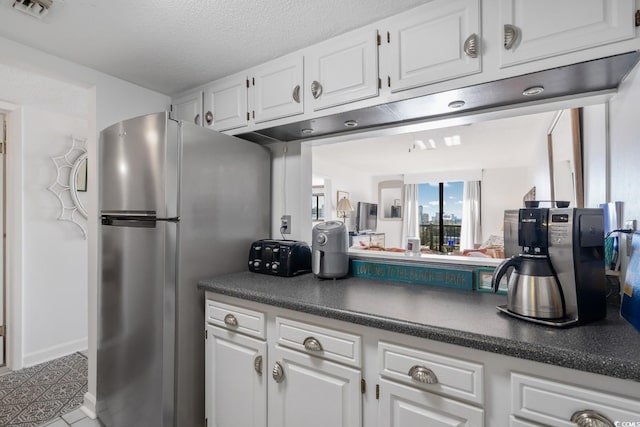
pixel 404 406
pixel 236 384
pixel 558 404
pixel 318 369
pixel 308 391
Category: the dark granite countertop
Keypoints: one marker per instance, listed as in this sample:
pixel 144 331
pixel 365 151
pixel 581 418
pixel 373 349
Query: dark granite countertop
pixel 608 347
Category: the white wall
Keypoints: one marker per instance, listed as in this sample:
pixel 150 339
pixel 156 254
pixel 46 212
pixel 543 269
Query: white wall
pixel 55 282
pixel 110 100
pixel 624 166
pixel 291 189
pixel 594 154
pixel 501 189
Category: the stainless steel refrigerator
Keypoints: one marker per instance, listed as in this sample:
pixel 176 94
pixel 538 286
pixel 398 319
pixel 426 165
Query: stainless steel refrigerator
pixel 178 203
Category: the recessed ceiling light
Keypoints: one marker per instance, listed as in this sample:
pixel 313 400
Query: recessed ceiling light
pixel 456 104
pixel 351 123
pixel 306 131
pixel 420 144
pixel 450 141
pixel 533 91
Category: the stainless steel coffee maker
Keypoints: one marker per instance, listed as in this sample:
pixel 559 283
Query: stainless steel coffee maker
pixel 558 276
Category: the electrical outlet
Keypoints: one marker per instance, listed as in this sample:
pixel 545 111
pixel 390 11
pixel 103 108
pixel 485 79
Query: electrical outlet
pixel 285 224
pixel 630 224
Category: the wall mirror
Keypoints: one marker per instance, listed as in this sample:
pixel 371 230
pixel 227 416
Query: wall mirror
pixel 510 152
pixel 70 185
pixel 390 197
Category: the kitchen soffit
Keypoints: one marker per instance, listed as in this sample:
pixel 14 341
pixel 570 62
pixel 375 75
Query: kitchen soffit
pixel 581 78
pixel 171 46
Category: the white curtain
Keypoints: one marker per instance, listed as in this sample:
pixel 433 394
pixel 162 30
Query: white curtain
pixel 471 232
pixel 410 220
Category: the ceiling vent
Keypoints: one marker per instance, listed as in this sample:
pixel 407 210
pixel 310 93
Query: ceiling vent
pixel 35 8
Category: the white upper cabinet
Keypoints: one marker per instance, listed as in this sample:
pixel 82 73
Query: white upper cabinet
pixel 342 70
pixel 188 108
pixel 438 41
pixel 539 29
pixel 276 89
pixel 225 103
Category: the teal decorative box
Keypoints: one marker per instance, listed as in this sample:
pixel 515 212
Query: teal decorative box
pixel 458 279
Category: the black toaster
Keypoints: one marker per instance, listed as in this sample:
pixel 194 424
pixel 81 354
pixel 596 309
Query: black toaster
pixel 280 257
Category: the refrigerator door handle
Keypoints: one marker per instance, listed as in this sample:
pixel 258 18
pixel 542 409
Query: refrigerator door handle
pixel 135 220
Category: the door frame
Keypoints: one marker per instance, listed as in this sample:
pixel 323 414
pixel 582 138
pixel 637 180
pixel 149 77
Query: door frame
pixel 14 116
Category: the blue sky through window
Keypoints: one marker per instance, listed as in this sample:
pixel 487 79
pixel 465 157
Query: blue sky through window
pixel 428 197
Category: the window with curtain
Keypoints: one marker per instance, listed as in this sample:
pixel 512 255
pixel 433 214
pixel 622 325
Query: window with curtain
pixel 440 214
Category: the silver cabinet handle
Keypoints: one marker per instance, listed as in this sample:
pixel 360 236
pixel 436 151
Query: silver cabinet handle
pixel 209 117
pixel 296 94
pixel 589 418
pixel 511 36
pixel 312 344
pixel 423 375
pixel 257 364
pixel 277 373
pixel 197 119
pixel 316 89
pixel 230 320
pixel 471 46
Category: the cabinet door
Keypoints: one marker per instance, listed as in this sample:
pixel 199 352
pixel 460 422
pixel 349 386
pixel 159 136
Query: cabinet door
pixel 277 89
pixel 236 387
pixel 403 406
pixel 188 108
pixel 343 69
pixel 427 44
pixel 313 392
pixel 225 103
pixel 545 28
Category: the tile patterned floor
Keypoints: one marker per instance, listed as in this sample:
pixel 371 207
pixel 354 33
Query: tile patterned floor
pixel 35 395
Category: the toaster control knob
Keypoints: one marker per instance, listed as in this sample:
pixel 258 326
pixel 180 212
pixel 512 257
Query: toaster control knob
pixel 274 266
pixel 256 264
pixel 321 239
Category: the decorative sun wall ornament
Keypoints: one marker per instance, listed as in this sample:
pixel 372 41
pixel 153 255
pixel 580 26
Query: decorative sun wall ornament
pixel 68 167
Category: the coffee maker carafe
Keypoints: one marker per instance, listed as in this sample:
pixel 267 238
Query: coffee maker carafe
pixel 558 277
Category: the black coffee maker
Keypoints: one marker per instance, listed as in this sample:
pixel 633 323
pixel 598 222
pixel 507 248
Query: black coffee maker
pixel 558 276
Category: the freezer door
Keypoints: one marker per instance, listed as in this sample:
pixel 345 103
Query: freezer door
pixel 136 328
pixel 139 166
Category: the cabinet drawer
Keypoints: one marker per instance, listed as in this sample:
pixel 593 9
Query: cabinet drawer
pixel 453 377
pixel 248 322
pixel 334 345
pixel 552 403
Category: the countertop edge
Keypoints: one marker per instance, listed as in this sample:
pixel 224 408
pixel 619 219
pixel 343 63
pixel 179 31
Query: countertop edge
pixel 523 350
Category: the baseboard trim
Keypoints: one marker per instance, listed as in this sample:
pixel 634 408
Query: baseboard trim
pixel 54 352
pixel 89 405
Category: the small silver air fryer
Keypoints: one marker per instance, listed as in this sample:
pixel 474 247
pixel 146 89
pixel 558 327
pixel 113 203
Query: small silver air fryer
pixel 330 254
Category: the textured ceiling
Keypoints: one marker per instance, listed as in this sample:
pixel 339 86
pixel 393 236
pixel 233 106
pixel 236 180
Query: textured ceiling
pixel 173 45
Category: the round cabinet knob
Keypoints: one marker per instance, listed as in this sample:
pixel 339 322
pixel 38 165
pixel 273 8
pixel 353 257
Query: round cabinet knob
pixel 256 264
pixel 321 239
pixel 275 266
pixel 230 320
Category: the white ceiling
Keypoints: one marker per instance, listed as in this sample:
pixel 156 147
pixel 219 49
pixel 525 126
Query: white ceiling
pixel 509 142
pixel 173 45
